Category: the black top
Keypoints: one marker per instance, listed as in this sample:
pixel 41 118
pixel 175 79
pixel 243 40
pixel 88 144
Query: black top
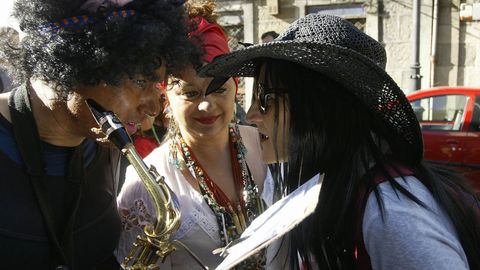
pixel 96 230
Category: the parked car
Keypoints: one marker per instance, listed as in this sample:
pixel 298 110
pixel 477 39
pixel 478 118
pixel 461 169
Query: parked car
pixel 450 122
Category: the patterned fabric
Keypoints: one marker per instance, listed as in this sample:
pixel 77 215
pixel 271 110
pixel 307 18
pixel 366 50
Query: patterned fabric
pixel 135 216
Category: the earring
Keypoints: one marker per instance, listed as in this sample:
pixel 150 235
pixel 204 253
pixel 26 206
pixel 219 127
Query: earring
pixel 172 126
pixel 235 118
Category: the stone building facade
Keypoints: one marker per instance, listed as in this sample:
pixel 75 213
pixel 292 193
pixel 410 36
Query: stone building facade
pixel 8 37
pixel 449 47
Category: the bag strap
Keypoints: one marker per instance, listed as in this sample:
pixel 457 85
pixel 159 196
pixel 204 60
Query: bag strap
pixel 28 141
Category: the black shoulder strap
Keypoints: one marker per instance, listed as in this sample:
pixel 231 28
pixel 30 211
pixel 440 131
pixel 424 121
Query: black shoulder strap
pixel 25 131
pixel 28 141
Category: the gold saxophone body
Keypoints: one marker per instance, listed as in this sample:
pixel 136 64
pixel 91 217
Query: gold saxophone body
pixel 155 243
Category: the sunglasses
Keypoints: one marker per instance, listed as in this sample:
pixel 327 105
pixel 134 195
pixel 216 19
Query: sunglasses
pixel 264 94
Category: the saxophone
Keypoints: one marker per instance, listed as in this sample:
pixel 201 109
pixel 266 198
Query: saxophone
pixel 155 243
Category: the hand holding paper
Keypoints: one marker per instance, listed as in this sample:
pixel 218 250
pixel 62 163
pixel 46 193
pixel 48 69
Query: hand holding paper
pixel 276 221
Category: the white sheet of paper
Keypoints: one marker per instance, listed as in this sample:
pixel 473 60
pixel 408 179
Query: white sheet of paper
pixel 276 221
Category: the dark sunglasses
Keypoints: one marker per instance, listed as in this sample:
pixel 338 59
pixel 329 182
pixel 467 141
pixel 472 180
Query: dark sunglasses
pixel 263 95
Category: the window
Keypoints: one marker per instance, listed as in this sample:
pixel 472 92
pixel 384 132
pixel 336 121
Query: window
pixel 355 13
pixel 440 112
pixel 475 124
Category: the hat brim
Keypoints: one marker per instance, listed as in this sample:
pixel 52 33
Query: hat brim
pixel 358 74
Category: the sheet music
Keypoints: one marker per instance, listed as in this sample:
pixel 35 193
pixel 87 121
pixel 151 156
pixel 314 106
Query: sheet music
pixel 276 221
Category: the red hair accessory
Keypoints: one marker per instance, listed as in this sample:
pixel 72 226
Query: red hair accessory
pixel 213 38
pixel 214 43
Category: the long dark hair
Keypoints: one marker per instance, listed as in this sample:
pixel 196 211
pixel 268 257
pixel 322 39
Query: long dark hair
pixel 332 132
pixel 110 49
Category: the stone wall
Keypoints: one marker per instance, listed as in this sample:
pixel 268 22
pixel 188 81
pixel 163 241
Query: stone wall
pixel 465 46
pixel 448 47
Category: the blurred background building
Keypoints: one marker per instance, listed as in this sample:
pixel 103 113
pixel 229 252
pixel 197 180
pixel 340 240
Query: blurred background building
pixel 8 37
pixel 448 45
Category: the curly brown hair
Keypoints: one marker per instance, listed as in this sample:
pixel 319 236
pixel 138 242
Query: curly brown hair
pixel 103 51
pixel 202 8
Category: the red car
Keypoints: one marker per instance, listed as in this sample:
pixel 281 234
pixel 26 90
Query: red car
pixel 450 122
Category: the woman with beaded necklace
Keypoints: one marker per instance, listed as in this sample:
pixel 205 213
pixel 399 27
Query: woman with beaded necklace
pixel 213 166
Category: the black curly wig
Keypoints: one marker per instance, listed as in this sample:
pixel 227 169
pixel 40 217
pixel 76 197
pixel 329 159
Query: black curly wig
pixel 107 50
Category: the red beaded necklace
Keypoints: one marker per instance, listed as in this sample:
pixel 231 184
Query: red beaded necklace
pixel 221 198
pixel 232 217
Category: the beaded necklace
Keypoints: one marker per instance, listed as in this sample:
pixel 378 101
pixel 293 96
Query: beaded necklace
pixel 232 218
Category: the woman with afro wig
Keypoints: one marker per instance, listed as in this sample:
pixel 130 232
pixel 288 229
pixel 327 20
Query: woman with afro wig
pixel 59 177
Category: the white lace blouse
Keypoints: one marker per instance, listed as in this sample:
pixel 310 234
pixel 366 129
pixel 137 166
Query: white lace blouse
pixel 199 228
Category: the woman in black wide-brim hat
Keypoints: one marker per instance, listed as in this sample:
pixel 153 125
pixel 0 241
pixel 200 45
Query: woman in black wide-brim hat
pixel 324 103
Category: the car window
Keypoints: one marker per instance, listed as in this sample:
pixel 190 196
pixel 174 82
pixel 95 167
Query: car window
pixel 440 112
pixel 475 123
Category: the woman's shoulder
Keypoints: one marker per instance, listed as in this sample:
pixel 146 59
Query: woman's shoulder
pixel 133 185
pixel 394 200
pixel 411 184
pixel 250 130
pixel 250 137
pixel 160 158
pixel 159 154
pixel 421 233
pixel 251 141
pixel 401 215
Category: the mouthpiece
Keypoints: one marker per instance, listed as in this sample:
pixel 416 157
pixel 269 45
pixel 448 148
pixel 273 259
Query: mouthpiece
pixel 109 124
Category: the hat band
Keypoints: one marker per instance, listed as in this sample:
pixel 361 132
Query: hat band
pixel 77 22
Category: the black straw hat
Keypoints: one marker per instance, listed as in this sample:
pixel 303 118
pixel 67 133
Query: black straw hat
pixel 334 47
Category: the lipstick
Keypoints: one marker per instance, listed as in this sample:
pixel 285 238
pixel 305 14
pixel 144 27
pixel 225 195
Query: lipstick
pixel 206 120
